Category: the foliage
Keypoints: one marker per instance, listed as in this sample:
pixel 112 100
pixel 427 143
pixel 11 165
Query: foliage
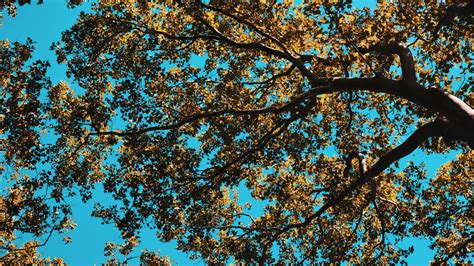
pixel 185 105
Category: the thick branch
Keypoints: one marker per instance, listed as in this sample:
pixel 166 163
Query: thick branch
pixel 433 99
pixel 406 58
pixel 449 106
pixel 375 84
pixel 414 141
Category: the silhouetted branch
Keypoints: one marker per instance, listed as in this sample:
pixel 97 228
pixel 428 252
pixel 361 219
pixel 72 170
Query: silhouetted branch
pixel 403 52
pixel 414 141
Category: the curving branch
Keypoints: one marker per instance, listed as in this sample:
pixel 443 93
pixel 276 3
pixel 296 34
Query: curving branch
pixel 413 142
pixel 434 99
pixel 375 84
pixel 460 114
pixel 452 108
pixel 406 58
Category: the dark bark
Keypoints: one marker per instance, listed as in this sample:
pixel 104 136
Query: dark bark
pixel 412 143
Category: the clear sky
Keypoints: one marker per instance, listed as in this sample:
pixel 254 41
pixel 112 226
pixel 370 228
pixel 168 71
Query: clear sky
pixel 44 25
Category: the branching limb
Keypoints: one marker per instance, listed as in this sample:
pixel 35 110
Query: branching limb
pixel 36 245
pixel 407 147
pixel 249 24
pixel 406 58
pixel 250 45
pixel 283 53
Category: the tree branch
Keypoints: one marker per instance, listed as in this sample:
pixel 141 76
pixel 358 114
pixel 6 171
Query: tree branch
pixel 247 23
pixel 414 141
pixel 275 109
pixel 436 100
pixel 250 45
pixel 406 58
pixel 454 109
pixel 297 61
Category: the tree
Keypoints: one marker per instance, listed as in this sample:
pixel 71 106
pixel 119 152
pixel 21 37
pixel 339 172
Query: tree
pixel 185 105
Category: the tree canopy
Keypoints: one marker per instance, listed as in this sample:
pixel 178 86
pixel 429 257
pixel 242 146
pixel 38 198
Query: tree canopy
pixel 183 106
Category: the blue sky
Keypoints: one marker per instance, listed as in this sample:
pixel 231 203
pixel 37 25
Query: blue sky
pixel 44 25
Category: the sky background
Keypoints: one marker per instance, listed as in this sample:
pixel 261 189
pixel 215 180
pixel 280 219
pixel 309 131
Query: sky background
pixel 44 24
